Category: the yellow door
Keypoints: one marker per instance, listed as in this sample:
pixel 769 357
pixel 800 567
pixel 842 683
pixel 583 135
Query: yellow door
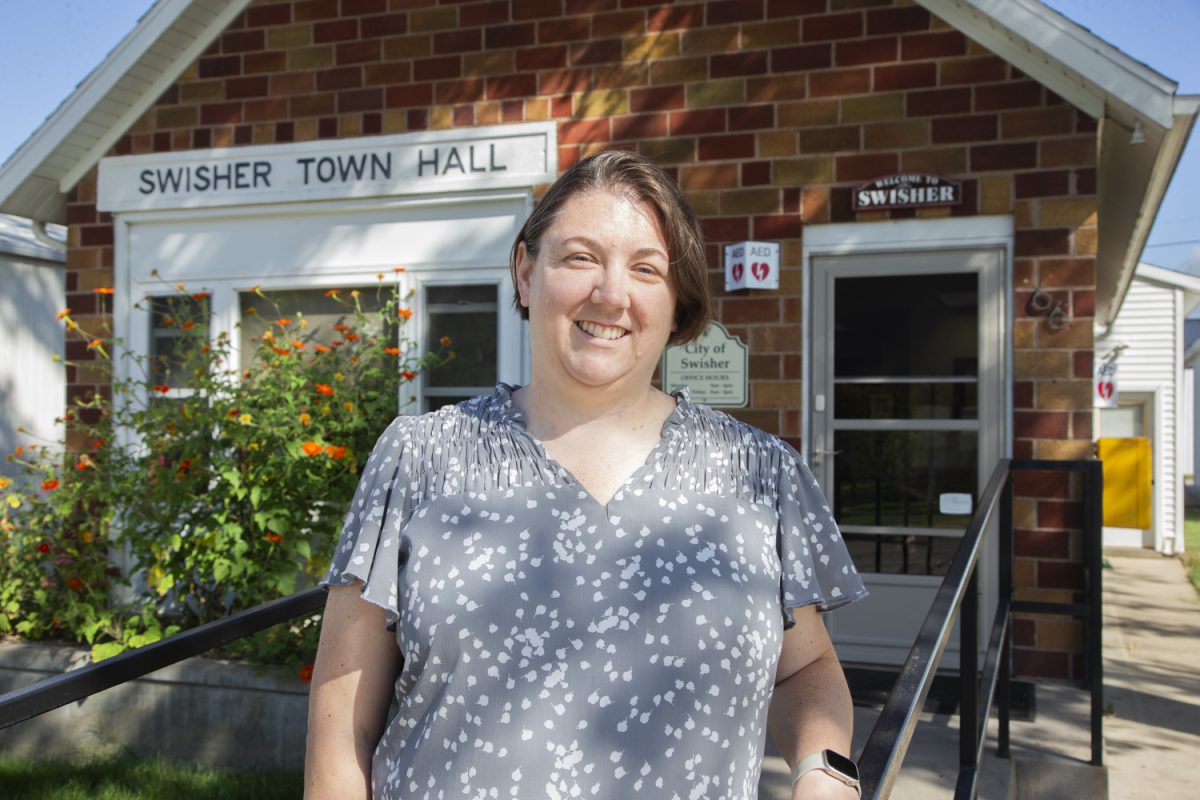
pixel 1127 477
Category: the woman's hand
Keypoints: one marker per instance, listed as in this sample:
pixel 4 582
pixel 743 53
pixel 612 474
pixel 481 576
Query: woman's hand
pixel 357 663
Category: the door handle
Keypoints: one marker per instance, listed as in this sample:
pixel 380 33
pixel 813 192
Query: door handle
pixel 820 453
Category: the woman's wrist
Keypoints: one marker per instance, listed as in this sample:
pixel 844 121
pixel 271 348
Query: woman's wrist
pixel 817 784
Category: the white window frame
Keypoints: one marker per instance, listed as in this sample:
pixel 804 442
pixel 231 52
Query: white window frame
pixel 133 281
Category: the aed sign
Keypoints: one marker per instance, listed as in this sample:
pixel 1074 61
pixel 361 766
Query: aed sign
pixel 915 190
pixel 500 156
pixel 752 265
pixel 1104 385
pixel 715 368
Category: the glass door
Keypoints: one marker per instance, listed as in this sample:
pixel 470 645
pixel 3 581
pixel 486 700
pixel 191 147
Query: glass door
pixel 905 424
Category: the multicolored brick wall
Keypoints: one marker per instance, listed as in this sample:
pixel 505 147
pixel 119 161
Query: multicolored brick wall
pixel 768 112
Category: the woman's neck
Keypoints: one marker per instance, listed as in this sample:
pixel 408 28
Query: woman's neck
pixel 551 411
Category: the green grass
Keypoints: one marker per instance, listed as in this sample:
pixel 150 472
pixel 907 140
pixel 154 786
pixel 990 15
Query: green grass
pixel 1191 542
pixel 129 778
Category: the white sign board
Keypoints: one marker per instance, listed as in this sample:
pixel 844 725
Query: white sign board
pixel 1104 386
pixel 715 368
pixel 495 157
pixel 751 265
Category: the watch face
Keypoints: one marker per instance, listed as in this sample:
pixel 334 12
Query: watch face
pixel 842 764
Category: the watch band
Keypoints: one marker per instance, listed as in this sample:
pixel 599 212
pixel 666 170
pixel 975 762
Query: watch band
pixel 820 760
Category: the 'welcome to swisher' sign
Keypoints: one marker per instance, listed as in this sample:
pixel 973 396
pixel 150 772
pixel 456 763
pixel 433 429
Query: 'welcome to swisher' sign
pixel 914 190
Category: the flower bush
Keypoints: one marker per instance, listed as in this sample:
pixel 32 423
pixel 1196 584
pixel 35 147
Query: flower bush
pixel 197 489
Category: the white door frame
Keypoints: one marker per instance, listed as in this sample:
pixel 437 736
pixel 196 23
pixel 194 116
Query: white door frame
pixel 933 235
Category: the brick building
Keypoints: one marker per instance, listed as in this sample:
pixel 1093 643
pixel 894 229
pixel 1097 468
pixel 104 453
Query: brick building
pixel 914 337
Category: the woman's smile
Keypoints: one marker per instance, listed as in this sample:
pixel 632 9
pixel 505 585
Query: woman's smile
pixel 598 331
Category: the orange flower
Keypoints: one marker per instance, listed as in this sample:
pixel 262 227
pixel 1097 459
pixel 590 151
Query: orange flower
pixel 348 406
pixel 408 376
pixel 320 348
pixel 306 673
pixel 398 269
pixel 162 389
pixel 352 336
pixel 274 538
pixel 185 465
pixel 341 328
pixel 49 485
pixel 325 389
pixel 404 313
pixel 298 345
pixel 392 351
pixel 311 448
pixel 332 292
pixel 75 584
pixel 335 452
pixel 305 419
pixel 355 293
pixel 104 290
pixel 93 344
pixel 280 351
pixel 268 336
pixel 283 322
pixel 336 343
pixel 201 296
pixel 167 322
pixel 187 326
pixel 445 341
pixel 62 313
pixel 233 412
pixel 250 310
pixel 99 443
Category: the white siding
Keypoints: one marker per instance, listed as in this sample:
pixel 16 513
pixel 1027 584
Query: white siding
pixel 32 385
pixel 1149 325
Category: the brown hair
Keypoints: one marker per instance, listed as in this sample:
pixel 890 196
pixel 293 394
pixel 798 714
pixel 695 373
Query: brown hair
pixel 622 170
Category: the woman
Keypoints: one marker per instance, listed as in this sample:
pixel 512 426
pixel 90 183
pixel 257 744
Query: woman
pixel 580 587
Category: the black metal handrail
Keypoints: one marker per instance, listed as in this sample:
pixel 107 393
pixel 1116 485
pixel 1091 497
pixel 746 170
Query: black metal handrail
pixel 957 597
pixel 51 693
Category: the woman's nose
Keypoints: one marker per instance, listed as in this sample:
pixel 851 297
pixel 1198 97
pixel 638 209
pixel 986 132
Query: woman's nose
pixel 611 288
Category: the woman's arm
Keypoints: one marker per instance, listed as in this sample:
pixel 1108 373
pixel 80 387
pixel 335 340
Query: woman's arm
pixel 811 709
pixel 357 663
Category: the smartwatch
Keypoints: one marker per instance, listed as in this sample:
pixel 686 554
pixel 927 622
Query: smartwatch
pixel 835 765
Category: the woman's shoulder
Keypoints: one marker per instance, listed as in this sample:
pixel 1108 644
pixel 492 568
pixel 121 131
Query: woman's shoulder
pixel 725 430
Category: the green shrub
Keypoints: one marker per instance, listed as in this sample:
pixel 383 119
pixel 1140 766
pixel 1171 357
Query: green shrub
pixel 219 489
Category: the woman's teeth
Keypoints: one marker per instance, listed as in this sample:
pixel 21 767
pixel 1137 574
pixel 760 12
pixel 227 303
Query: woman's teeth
pixel 601 331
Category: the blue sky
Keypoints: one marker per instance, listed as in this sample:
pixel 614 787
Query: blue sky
pixel 49 46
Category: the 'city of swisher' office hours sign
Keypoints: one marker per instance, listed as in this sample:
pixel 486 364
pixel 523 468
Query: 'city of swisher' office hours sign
pixel 494 157
pixel 715 368
pixel 914 190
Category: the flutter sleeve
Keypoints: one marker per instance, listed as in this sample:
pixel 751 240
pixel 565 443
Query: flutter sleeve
pixel 816 567
pixel 370 549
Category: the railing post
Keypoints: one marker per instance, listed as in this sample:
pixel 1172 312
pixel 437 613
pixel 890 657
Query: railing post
pixel 968 670
pixel 1005 570
pixel 1093 515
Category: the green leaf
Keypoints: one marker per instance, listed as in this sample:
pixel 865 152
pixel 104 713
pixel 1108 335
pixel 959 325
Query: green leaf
pixel 255 496
pixel 107 650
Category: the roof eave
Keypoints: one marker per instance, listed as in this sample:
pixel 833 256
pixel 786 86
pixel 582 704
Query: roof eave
pixel 1147 181
pixel 29 185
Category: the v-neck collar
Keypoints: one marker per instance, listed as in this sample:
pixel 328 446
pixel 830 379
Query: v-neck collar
pixel 515 417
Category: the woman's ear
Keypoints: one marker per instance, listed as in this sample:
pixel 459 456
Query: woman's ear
pixel 524 273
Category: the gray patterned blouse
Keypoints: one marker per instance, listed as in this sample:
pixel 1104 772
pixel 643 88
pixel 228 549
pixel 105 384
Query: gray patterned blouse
pixel 557 648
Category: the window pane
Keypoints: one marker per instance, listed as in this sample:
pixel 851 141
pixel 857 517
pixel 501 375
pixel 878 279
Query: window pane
pixel 167 316
pixel 321 312
pixel 906 400
pixel 894 478
pixel 467 314
pixel 906 325
pixel 901 555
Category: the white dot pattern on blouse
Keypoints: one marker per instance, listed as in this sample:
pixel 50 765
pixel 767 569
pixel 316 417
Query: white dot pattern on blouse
pixel 557 648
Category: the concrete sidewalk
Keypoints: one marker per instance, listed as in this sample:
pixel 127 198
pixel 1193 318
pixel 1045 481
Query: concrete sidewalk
pixel 1151 678
pixel 1152 683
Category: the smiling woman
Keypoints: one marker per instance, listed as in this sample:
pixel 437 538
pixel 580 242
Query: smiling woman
pixel 585 563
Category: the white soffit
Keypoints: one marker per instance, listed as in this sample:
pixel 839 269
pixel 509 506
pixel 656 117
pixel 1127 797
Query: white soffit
pixel 170 36
pixel 1074 63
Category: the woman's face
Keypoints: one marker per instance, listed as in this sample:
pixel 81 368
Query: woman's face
pixel 600 305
